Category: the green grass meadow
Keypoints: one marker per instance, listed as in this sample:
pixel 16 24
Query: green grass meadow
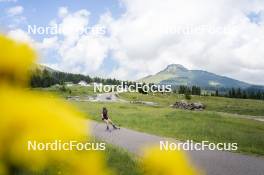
pixel 122 162
pixel 69 91
pixel 183 125
pixel 114 157
pixel 218 123
pixel 219 104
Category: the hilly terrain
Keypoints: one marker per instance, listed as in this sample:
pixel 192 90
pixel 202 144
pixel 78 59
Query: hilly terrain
pixel 42 67
pixel 44 76
pixel 173 74
pixel 176 75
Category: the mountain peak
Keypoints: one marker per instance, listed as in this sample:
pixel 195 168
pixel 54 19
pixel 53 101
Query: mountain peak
pixel 176 74
pixel 175 67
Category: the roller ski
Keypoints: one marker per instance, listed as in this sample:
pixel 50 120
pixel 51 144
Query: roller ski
pixel 116 127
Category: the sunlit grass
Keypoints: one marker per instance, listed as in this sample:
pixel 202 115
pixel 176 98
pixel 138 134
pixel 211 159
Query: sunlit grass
pixel 220 104
pixel 183 125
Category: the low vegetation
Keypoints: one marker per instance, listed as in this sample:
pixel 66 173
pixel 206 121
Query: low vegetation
pixel 122 162
pixel 65 91
pixel 218 123
pixel 218 104
pixel 115 158
pixel 183 125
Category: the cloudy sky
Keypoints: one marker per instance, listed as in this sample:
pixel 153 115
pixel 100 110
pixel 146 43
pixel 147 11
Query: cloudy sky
pixel 129 39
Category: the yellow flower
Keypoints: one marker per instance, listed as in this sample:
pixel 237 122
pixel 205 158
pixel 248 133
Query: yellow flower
pixel 16 60
pixel 30 116
pixel 157 162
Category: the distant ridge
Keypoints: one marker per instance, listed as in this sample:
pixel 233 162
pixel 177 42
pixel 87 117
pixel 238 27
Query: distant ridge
pixel 176 74
pixel 42 67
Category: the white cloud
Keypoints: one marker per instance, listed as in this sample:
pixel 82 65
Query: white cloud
pixel 15 17
pixel 87 54
pixel 8 0
pixel 20 36
pixel 43 47
pixel 73 24
pixel 16 10
pixel 62 12
pixel 151 34
pixel 78 52
pixel 145 39
pixel 48 43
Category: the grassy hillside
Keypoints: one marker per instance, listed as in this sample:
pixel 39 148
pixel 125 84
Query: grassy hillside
pixel 75 90
pixel 219 104
pixel 116 157
pixel 180 124
pixel 156 79
pixel 183 125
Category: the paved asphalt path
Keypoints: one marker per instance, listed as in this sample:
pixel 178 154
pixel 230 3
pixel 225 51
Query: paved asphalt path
pixel 212 162
pixel 109 97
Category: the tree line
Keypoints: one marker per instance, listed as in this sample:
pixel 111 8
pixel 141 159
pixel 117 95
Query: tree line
pixel 193 90
pixel 188 91
pixel 46 78
pixel 249 93
pixel 242 93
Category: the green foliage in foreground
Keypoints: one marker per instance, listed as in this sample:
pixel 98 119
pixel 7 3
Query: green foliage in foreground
pixel 184 125
pixel 122 162
pixel 219 104
pixel 117 160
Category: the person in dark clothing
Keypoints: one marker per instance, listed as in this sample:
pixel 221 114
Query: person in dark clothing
pixel 105 117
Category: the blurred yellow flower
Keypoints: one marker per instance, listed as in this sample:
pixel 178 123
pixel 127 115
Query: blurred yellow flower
pixel 16 59
pixel 158 162
pixel 27 115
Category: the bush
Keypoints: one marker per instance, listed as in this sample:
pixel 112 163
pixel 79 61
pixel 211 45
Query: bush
pixel 188 95
pixel 63 88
